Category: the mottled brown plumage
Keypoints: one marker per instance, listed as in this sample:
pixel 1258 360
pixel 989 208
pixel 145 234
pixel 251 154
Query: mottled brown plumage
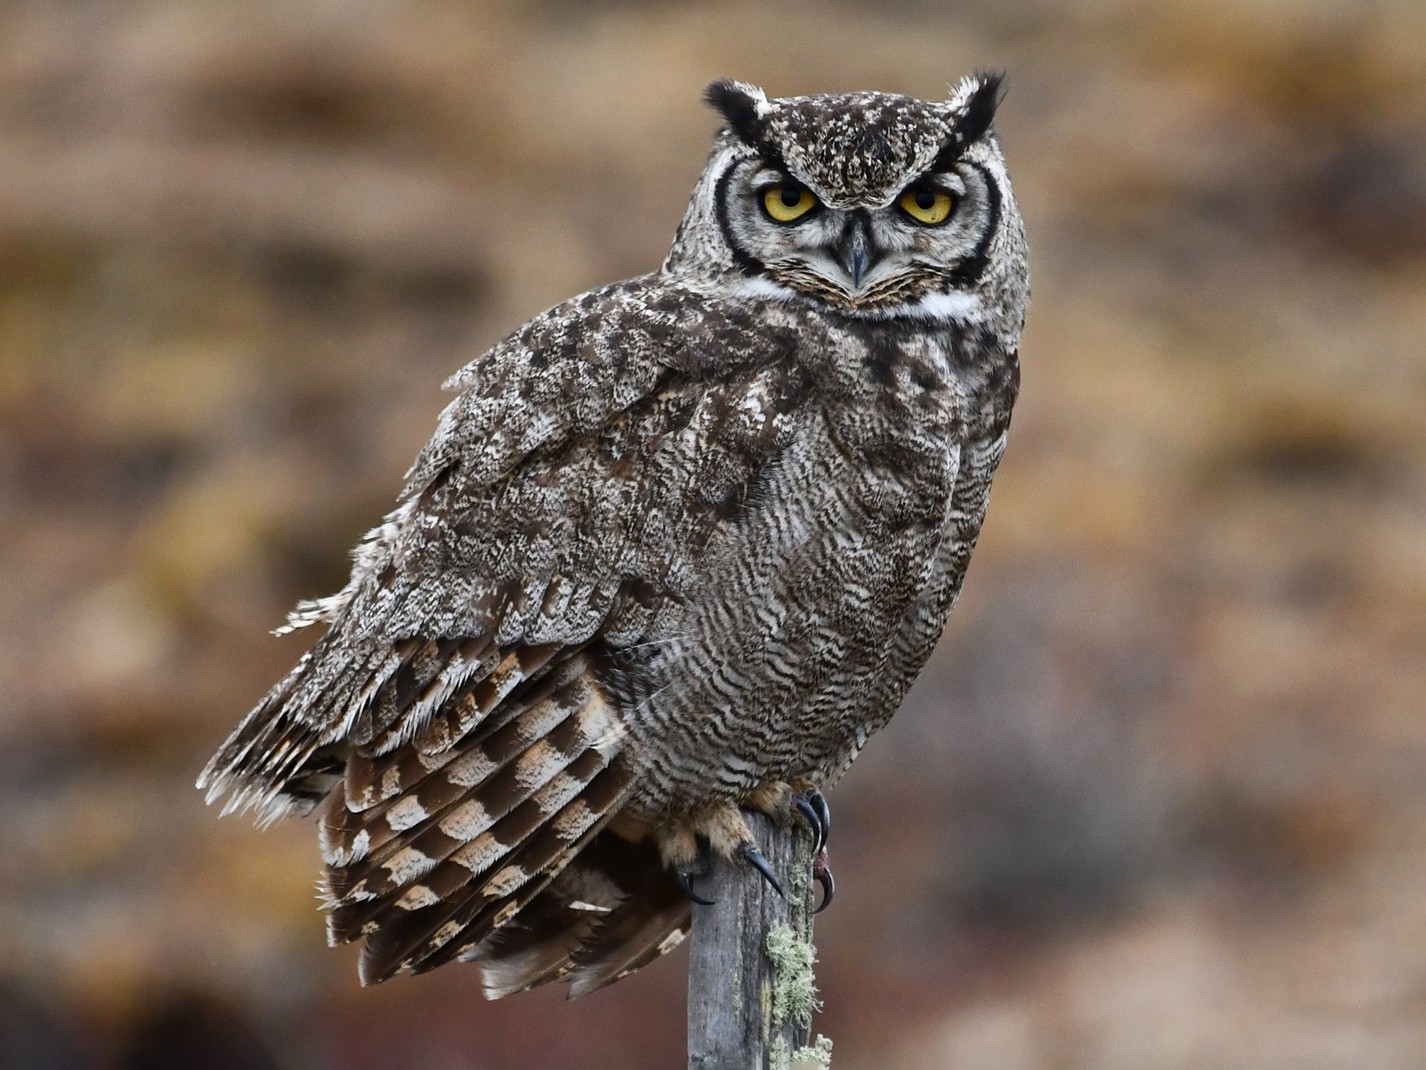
pixel 678 546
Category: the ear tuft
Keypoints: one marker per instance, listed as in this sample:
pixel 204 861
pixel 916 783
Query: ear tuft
pixel 971 107
pixel 744 107
pixel 977 98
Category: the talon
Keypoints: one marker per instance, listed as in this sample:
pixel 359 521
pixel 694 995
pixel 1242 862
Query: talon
pixel 755 858
pixel 687 889
pixel 814 819
pixel 823 873
pixel 824 815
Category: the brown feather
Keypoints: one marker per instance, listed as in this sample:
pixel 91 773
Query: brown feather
pixel 535 767
pixel 423 938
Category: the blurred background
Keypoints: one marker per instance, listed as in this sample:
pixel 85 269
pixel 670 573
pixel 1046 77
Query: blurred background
pixel 1158 803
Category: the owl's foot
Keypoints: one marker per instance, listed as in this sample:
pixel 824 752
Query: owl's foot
pixel 785 803
pixel 818 815
pixel 686 848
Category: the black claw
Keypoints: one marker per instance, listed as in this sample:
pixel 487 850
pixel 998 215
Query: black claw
pixel 829 886
pixel 824 815
pixel 813 807
pixel 755 858
pixel 687 889
pixel 814 820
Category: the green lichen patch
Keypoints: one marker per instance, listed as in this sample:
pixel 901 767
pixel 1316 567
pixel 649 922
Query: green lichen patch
pixel 816 1056
pixel 794 989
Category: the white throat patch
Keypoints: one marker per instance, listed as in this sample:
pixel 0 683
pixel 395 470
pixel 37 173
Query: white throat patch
pixel 954 307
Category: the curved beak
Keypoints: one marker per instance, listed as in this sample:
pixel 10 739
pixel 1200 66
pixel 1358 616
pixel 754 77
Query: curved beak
pixel 854 250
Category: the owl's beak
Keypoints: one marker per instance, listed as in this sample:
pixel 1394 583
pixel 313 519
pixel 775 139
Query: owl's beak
pixel 854 251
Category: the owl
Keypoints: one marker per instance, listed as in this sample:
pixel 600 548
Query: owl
pixel 676 550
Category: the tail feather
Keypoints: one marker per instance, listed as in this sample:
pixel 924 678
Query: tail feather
pixel 421 933
pixel 470 790
pixel 444 865
pixel 651 920
pixel 632 937
pixel 614 909
pixel 535 949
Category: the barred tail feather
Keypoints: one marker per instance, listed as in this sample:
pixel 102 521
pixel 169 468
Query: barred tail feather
pixel 614 909
pixel 422 930
pixel 469 793
pixel 475 801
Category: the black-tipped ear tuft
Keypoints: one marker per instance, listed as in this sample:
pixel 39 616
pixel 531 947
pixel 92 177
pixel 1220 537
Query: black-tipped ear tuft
pixel 975 101
pixel 979 110
pixel 740 104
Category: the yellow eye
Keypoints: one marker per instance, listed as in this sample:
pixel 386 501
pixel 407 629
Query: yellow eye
pixel 786 204
pixel 929 206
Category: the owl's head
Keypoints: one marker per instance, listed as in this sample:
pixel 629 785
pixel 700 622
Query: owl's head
pixel 870 204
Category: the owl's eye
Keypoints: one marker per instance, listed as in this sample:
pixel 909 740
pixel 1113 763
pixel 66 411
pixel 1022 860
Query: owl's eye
pixel 787 204
pixel 929 206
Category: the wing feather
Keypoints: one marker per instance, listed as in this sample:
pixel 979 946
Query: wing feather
pixel 458 695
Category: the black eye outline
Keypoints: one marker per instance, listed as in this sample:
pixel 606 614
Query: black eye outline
pixel 918 192
pixel 783 189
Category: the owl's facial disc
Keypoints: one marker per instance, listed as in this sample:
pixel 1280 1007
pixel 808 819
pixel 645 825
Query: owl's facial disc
pixel 861 258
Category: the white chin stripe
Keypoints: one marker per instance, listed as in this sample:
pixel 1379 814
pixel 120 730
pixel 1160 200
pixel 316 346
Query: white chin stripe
pixel 945 306
pixel 955 306
pixel 762 286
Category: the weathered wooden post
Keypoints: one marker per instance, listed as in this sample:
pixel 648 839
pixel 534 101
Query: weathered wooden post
pixel 750 988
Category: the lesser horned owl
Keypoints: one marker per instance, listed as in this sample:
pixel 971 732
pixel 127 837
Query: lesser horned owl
pixel 677 548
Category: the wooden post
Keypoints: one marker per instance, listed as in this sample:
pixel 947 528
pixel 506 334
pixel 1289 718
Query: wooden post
pixel 734 1023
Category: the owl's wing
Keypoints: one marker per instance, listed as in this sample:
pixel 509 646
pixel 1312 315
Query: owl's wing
pixel 456 697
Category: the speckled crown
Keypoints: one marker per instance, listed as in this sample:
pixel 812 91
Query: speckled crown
pixel 852 148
